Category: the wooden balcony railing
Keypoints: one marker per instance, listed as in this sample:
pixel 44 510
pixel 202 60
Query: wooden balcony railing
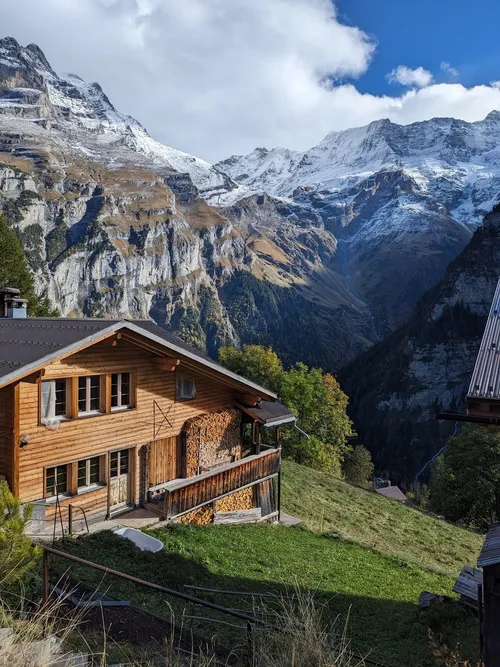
pixel 185 495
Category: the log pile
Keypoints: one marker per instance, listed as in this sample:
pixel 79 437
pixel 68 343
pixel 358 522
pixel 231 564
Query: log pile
pixel 241 500
pixel 201 517
pixel 212 439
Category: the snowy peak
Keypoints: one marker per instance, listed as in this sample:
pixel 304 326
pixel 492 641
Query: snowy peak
pixel 437 150
pixel 32 92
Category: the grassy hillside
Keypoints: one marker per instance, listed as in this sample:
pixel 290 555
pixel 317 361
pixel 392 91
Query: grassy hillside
pixel 329 505
pixel 375 588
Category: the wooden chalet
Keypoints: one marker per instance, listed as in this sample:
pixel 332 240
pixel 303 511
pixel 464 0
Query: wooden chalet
pixel 106 415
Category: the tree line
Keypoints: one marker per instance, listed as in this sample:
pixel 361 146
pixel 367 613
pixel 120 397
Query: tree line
pixel 321 408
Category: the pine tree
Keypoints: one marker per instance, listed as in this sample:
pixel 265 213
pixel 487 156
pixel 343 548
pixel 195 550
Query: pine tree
pixel 14 272
pixel 17 555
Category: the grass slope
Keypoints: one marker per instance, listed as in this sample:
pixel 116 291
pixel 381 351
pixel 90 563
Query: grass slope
pixel 377 588
pixel 326 504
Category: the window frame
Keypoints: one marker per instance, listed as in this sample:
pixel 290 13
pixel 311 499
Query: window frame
pixel 89 412
pixel 45 420
pixel 88 484
pixel 119 453
pixel 72 396
pixel 119 393
pixel 179 380
pixel 58 493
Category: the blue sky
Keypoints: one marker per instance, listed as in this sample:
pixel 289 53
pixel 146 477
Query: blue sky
pixel 219 77
pixel 426 33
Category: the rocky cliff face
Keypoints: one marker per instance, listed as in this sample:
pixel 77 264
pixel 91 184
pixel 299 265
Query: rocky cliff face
pixel 115 224
pixel 399 386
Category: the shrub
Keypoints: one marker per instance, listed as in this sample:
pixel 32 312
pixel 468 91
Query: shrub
pixel 358 466
pixel 17 555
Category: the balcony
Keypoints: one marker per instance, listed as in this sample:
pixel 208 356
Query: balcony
pixel 181 496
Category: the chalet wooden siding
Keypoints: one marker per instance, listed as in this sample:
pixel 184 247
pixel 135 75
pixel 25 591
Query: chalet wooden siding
pixel 87 436
pixel 164 460
pixel 6 434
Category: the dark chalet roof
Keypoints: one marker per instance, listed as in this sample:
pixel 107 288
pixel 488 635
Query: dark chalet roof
pixel 490 553
pixel 270 413
pixel 28 344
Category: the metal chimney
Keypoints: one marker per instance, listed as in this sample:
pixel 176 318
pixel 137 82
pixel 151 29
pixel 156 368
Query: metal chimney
pixel 11 304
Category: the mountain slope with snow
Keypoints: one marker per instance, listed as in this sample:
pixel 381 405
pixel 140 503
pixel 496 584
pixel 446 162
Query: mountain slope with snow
pixel 35 92
pixel 116 224
pixel 402 201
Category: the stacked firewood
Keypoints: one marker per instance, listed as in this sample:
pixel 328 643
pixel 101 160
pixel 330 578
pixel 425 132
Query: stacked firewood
pixel 212 439
pixel 201 517
pixel 241 500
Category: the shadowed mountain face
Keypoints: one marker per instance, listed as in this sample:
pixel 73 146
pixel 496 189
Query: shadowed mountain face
pixel 400 385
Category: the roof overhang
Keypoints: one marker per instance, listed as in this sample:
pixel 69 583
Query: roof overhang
pixel 167 346
pixel 473 419
pixel 262 417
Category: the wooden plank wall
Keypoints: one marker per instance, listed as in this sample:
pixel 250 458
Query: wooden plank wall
pixel 164 460
pixel 81 438
pixel 6 433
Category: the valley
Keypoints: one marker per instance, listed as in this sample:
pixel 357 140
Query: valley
pixel 325 255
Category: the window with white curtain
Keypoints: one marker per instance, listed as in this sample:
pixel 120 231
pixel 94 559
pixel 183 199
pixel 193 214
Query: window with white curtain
pixel 55 400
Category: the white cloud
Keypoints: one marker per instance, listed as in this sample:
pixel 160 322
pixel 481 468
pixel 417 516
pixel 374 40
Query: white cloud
pixel 216 77
pixel 418 77
pixel 446 67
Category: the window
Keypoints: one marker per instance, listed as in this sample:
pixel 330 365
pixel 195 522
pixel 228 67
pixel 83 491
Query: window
pixel 89 472
pixel 120 391
pixel 55 400
pixel 56 480
pixel 185 387
pixel 119 463
pixel 89 394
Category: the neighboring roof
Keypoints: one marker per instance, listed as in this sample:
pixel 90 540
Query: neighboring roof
pixel 467 584
pixel 270 413
pixel 393 492
pixel 485 381
pixel 28 344
pixel 490 553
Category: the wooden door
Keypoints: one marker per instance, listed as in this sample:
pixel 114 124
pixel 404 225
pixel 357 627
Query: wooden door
pixel 164 460
pixel 119 479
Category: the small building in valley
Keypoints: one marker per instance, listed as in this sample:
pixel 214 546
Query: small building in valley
pixel 393 492
pixel 105 415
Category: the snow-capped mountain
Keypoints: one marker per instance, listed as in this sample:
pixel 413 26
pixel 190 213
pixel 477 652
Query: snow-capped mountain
pixel 116 224
pixel 402 201
pixel 439 154
pixel 33 91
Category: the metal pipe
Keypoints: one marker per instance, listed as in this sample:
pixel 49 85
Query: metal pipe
pixel 279 488
pixel 45 577
pixel 300 430
pixel 149 584
pixel 70 519
pixel 480 619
